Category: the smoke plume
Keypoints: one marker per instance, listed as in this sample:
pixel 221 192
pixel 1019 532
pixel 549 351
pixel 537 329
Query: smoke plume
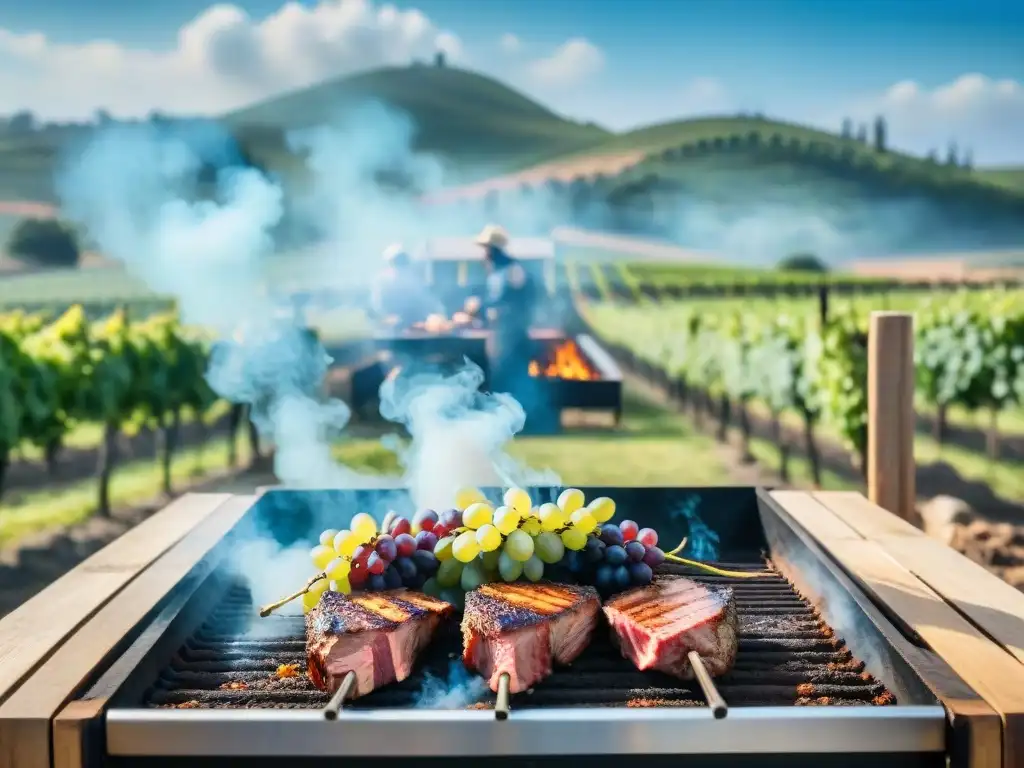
pixel 458 434
pixel 458 690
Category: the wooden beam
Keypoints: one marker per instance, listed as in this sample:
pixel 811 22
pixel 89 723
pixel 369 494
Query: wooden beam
pixel 816 519
pixel 989 602
pixel 25 718
pixel 867 518
pixel 890 454
pixel 30 633
pixel 984 666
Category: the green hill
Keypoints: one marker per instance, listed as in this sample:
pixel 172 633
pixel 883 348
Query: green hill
pixel 472 121
pixel 1012 178
pixel 464 116
pixel 773 140
pixel 739 166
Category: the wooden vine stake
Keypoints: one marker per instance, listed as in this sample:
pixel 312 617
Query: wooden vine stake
pixel 891 481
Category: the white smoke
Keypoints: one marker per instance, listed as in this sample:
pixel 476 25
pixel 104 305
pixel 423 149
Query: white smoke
pixel 459 435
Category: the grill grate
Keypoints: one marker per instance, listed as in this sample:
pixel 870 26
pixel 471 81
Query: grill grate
pixel 787 657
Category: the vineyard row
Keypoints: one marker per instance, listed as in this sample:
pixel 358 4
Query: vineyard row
pixel 969 353
pixel 119 374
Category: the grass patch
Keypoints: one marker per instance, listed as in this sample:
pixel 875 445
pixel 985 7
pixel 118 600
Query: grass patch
pixel 1004 478
pixel 652 447
pixel 87 436
pixel 133 483
pixel 769 457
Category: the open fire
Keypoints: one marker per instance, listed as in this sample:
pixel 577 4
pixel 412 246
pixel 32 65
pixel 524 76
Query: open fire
pixel 563 361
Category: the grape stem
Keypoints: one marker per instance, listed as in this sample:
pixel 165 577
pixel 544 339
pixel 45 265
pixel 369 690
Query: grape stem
pixel 269 609
pixel 712 569
pixel 680 548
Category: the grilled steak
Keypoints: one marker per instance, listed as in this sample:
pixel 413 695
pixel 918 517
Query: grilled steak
pixel 523 629
pixel 377 635
pixel 656 626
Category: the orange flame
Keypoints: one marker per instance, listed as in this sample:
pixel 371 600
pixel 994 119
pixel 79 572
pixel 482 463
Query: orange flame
pixel 565 361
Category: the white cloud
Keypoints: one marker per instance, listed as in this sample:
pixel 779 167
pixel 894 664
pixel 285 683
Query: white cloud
pixel 705 96
pixel 974 110
pixel 510 43
pixel 222 59
pixel 573 61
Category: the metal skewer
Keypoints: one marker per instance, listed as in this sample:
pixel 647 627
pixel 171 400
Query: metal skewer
pixel 269 609
pixel 501 704
pixel 715 701
pixel 338 699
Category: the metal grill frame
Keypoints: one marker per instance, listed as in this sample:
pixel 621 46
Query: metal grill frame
pixel 915 728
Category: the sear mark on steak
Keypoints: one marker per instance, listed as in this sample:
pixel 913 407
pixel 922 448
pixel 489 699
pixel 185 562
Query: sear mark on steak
pixel 656 626
pixel 377 635
pixel 524 629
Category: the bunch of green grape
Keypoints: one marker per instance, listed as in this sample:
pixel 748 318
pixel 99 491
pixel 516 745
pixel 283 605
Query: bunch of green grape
pixel 516 540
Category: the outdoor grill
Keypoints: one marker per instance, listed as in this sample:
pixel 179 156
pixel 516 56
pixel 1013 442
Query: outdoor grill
pixel 575 375
pixel 441 351
pixel 824 675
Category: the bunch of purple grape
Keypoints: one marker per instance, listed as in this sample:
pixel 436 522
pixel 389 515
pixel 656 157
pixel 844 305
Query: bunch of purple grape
pixel 617 558
pixel 396 558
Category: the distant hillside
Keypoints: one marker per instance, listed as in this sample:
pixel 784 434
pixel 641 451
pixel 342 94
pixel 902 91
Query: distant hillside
pixel 471 120
pixel 1013 178
pixel 681 140
pixel 467 117
pixel 741 184
pixel 758 188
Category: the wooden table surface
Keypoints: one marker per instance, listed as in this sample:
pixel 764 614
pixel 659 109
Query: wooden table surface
pixel 973 620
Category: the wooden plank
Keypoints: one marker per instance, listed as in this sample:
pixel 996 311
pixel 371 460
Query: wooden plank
pixel 28 712
pixel 865 517
pixel 989 602
pixel 890 449
pixel 30 633
pixel 987 668
pixel 976 736
pixel 813 516
pixel 993 605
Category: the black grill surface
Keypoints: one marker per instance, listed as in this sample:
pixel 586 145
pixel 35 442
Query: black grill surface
pixel 787 657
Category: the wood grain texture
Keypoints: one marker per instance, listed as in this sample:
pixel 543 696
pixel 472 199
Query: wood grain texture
pixel 891 424
pixel 983 665
pixel 813 516
pixel 987 601
pixel 28 712
pixel 990 603
pixel 30 633
pixel 864 516
pixel 856 533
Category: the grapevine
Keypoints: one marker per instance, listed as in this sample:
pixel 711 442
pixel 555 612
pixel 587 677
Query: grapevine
pixel 969 352
pixel 56 375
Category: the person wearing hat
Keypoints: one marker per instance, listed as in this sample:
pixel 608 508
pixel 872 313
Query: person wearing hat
pixel 398 297
pixel 509 308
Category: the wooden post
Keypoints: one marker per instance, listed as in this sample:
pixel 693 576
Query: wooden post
pixel 891 413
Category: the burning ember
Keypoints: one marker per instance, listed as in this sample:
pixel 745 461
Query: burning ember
pixel 565 361
pixel 287 670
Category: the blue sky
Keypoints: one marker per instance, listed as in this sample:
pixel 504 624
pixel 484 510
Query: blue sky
pixel 649 60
